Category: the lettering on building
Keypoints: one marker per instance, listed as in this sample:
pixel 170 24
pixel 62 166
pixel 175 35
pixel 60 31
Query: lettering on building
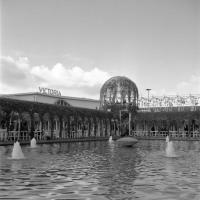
pixel 48 91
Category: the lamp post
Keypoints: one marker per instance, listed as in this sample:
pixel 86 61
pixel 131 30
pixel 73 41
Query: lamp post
pixel 120 118
pixel 148 90
pixel 129 120
pixel 129 123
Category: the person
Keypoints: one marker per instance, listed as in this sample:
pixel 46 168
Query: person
pixel 186 130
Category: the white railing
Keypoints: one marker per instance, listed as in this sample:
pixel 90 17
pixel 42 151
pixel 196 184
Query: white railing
pixel 13 135
pixel 56 134
pixel 163 134
pixel 86 133
pixel 39 135
pixel 24 135
pixel 79 133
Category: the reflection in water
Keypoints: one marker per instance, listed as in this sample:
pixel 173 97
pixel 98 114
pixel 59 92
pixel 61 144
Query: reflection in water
pixel 101 170
pixel 16 165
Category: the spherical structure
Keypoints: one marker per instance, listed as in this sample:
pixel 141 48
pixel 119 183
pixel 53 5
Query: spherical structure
pixel 119 91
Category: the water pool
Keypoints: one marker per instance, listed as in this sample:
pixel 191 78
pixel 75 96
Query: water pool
pixel 102 170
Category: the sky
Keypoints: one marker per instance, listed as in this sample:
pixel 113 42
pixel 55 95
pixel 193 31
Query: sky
pixel 74 46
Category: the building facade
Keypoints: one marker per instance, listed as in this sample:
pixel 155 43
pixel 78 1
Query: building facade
pixel 47 115
pixel 25 119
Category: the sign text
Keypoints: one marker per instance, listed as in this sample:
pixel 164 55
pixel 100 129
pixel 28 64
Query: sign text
pixel 49 91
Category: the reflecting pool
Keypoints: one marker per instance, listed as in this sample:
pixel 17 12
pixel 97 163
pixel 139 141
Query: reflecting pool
pixel 102 170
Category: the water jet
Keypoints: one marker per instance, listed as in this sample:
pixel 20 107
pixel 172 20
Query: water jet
pixel 17 151
pixel 33 143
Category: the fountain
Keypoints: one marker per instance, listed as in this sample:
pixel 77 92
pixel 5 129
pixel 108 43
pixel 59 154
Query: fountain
pixel 110 139
pixel 17 151
pixel 170 152
pixel 33 143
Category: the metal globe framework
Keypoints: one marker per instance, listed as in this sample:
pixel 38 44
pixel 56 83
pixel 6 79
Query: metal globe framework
pixel 119 92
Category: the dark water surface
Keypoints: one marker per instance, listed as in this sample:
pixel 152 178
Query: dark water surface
pixel 102 170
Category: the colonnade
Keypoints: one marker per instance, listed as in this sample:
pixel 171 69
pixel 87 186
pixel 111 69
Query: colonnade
pixel 24 120
pixel 54 122
pixel 179 128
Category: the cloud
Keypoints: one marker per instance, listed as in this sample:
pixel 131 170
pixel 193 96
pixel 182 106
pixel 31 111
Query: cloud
pixel 18 75
pixel 15 72
pixel 75 76
pixel 187 87
pixel 190 86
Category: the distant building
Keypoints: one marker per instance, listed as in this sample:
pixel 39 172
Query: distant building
pixel 53 99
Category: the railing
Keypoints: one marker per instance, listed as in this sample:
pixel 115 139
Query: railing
pixel 39 135
pixel 79 133
pixel 13 135
pixel 163 134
